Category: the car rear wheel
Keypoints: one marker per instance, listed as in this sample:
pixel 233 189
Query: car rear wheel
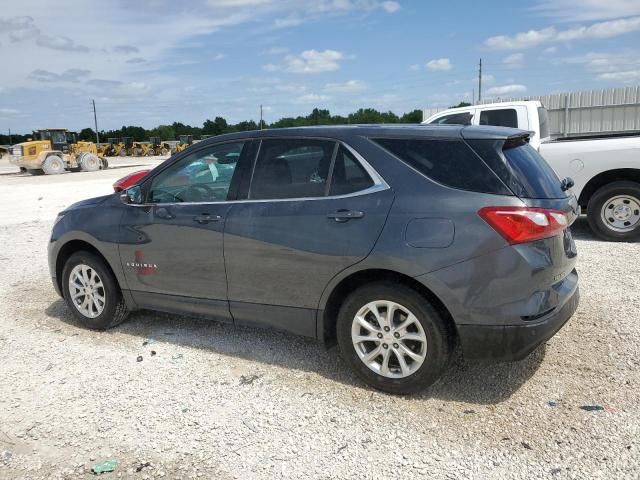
pixel 614 212
pixel 91 292
pixel 393 338
pixel 53 165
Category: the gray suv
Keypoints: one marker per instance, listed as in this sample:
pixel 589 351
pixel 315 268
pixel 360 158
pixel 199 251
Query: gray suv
pixel 396 242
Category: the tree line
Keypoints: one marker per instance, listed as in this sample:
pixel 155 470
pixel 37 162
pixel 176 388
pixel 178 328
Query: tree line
pixel 219 125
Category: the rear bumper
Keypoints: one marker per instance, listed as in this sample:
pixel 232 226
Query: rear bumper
pixel 514 342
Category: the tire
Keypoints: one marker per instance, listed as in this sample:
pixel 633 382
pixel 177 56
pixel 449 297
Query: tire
pixel 89 162
pixel 104 164
pixel 435 350
pixel 35 172
pixel 53 165
pixel 114 310
pixel 23 170
pixel 613 212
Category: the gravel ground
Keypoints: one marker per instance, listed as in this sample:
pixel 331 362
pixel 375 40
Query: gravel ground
pixel 217 401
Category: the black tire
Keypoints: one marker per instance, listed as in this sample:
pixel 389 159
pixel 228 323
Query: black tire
pixel 600 198
pixel 115 310
pixel 439 344
pixel 36 172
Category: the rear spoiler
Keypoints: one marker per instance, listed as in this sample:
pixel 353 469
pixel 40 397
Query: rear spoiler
pixel 517 140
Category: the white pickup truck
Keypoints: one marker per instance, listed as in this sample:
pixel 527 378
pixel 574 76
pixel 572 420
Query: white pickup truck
pixel 605 168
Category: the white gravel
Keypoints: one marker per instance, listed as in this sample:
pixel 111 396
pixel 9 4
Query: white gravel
pixel 246 403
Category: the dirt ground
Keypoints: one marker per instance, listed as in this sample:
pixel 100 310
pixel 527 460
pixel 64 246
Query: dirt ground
pixel 210 400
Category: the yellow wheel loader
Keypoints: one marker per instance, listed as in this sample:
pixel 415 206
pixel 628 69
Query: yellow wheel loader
pixel 54 150
pixel 183 142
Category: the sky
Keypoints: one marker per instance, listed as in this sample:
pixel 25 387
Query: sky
pixel 151 62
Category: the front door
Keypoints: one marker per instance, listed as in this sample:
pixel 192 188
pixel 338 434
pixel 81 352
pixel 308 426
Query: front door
pixel 171 247
pixel 312 210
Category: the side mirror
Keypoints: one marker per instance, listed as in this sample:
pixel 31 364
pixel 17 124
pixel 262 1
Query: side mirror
pixel 567 183
pixel 132 195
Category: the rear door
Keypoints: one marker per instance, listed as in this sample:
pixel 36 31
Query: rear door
pixel 313 209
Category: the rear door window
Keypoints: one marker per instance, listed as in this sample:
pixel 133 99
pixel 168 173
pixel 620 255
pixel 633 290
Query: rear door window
pixel 520 167
pixel 348 176
pixel 292 168
pixel 449 162
pixel 504 117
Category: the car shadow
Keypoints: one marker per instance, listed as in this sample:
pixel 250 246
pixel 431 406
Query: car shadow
pixel 582 231
pixel 472 382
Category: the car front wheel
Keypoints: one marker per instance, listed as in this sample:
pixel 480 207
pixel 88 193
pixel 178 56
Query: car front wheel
pixel 91 292
pixel 393 338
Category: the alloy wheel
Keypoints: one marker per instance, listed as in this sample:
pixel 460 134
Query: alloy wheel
pixel 389 339
pixel 87 291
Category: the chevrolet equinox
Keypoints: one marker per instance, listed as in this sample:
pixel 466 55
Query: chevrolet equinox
pixel 396 242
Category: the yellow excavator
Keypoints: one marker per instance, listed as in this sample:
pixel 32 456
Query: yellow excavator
pixel 54 150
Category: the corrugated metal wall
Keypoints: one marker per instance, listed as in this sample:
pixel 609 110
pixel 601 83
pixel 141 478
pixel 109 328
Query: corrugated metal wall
pixel 592 111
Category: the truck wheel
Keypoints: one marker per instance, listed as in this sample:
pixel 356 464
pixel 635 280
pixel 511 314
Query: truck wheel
pixel 393 338
pixel 613 212
pixel 91 292
pixel 89 162
pixel 36 172
pixel 53 165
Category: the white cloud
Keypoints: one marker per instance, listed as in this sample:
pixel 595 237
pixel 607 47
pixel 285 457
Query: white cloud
pixel 312 98
pixel 314 61
pixel 439 65
pixel 626 76
pixel 550 50
pixel 391 7
pixel 532 38
pixel 270 67
pixel 125 49
pixel 8 111
pixel 277 51
pixel 351 86
pixel 506 89
pixel 616 67
pixel 514 60
pixel 415 67
pixel 73 75
pixel 585 10
pixel 60 43
pixel 219 56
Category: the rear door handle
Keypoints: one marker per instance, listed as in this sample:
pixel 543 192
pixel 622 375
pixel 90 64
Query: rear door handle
pixel 206 218
pixel 345 215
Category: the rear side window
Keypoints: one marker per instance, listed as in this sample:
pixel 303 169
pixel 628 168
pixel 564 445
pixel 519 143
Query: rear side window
pixel 504 117
pixel 449 162
pixel 292 168
pixel 463 118
pixel 520 167
pixel 348 175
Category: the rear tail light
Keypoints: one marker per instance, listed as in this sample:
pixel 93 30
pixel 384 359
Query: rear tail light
pixel 524 224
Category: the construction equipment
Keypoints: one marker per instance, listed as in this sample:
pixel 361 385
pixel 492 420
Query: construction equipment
pixel 55 150
pixel 183 142
pixel 126 147
pixel 159 147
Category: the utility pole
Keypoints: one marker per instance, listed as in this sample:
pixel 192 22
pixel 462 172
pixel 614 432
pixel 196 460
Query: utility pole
pixel 260 116
pixel 473 96
pixel 480 83
pixel 95 121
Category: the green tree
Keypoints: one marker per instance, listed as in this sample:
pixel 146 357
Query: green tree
pixel 412 117
pixel 461 104
pixel 87 134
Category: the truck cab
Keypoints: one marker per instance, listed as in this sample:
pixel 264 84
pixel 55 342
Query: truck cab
pixel 603 171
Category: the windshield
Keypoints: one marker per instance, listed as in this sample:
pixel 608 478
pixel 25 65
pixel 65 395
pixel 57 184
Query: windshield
pixel 58 137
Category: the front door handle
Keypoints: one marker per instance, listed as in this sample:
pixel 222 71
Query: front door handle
pixel 345 215
pixel 206 218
